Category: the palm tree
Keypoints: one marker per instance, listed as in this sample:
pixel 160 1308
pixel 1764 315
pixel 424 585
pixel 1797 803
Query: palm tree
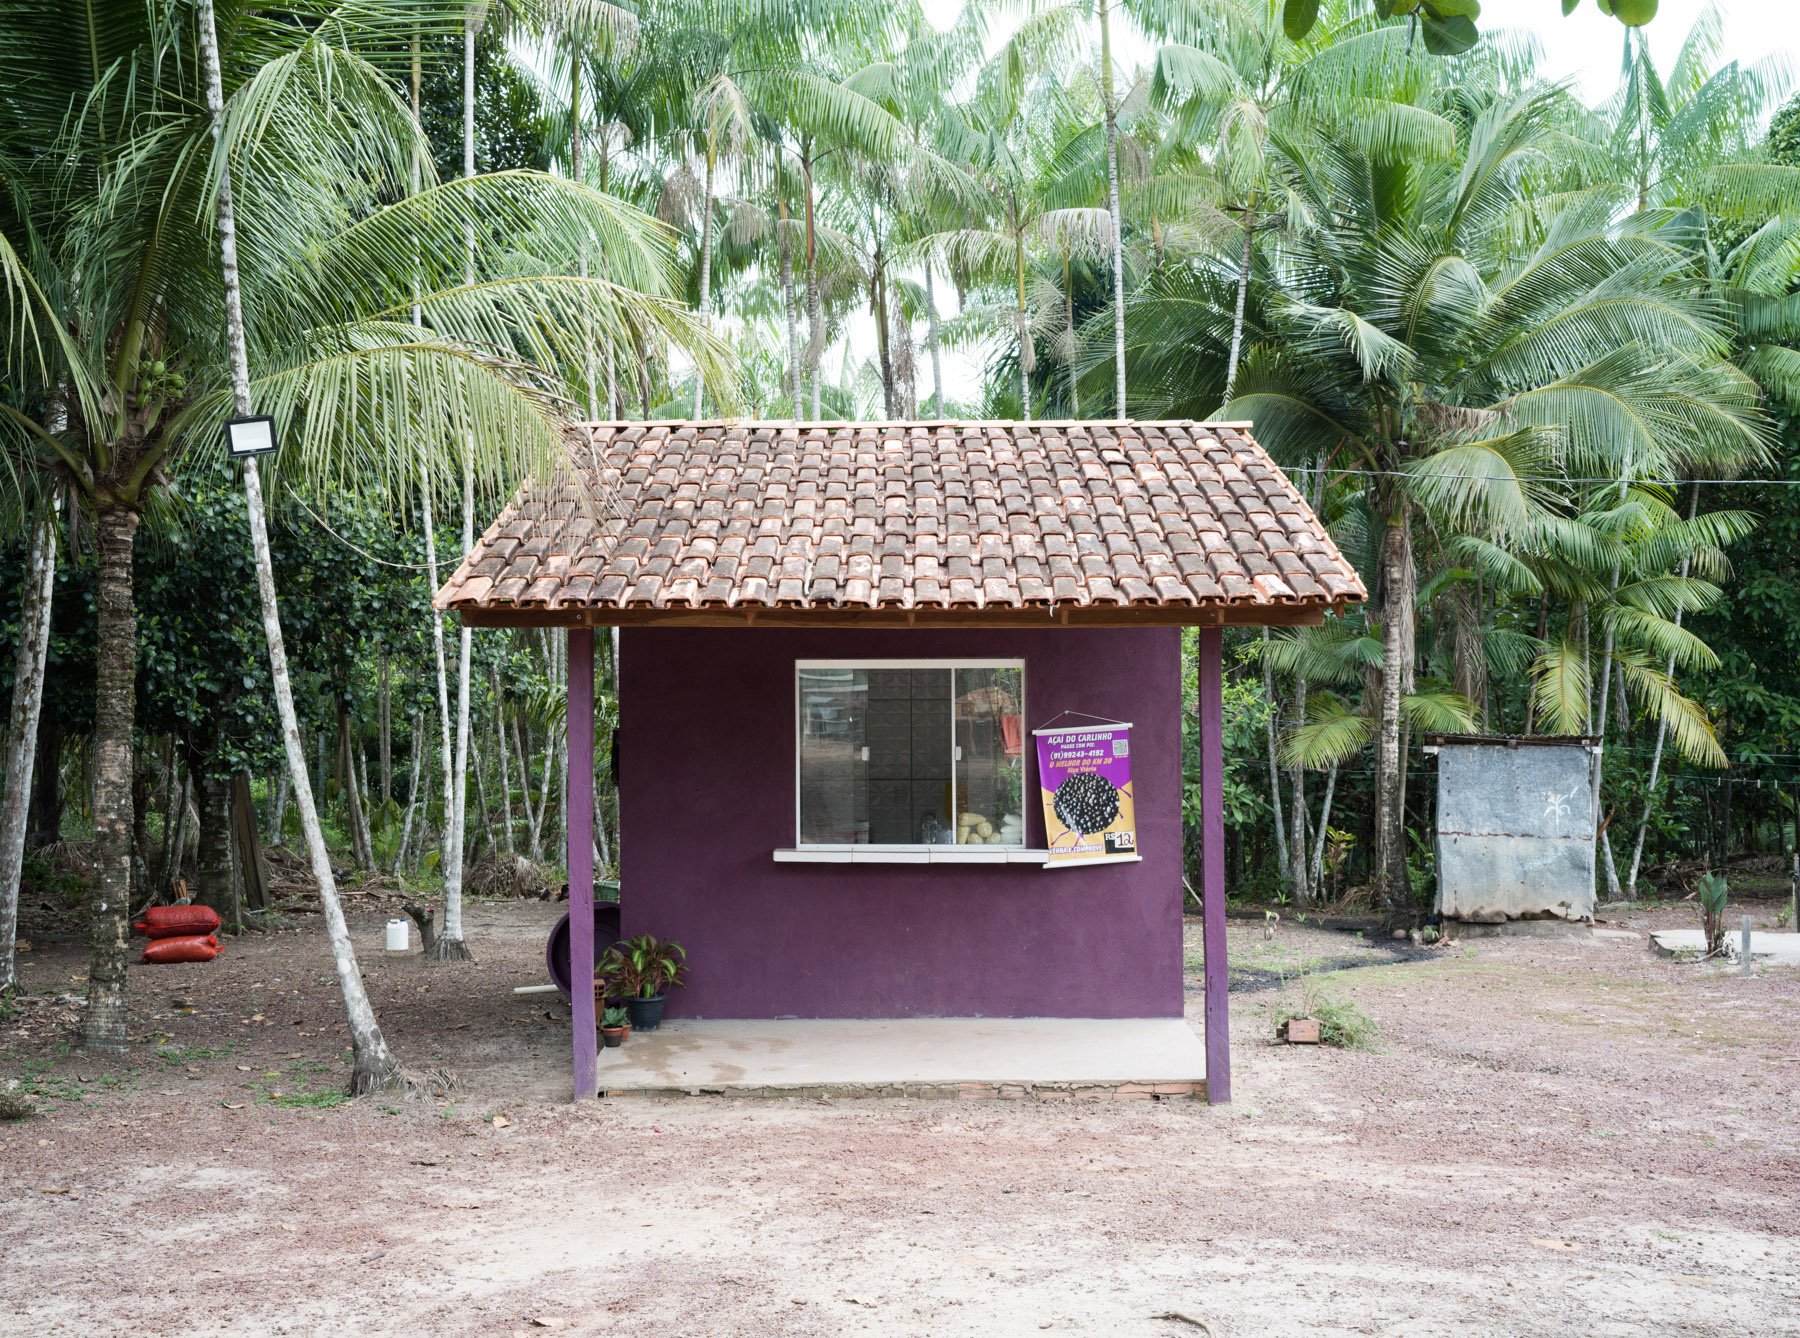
pixel 1418 341
pixel 118 302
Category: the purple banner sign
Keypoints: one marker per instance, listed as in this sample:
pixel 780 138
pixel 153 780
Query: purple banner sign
pixel 1084 772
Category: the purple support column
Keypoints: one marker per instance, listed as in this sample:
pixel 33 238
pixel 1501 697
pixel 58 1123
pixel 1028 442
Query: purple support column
pixel 580 829
pixel 1212 863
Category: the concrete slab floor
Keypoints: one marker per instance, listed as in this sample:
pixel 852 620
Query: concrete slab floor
pixel 743 1056
pixel 1779 949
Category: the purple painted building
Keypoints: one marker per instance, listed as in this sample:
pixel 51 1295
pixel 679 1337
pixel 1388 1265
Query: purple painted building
pixel 841 647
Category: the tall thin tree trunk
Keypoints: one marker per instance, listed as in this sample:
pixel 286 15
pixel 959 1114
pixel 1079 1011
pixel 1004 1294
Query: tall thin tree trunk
pixel 175 848
pixel 937 360
pixel 361 847
pixel 22 728
pixel 1069 328
pixel 706 243
pixel 386 725
pixel 1026 357
pixel 1272 727
pixel 1397 614
pixel 1662 733
pixel 278 813
pixel 506 812
pixel 215 873
pixel 115 699
pixel 878 287
pixel 412 791
pixel 790 309
pixel 1318 851
pixel 374 1065
pixel 449 944
pixel 815 312
pixel 1297 816
pixel 1237 320
pixel 1112 205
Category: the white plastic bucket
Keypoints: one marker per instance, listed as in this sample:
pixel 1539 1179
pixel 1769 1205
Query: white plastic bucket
pixel 398 937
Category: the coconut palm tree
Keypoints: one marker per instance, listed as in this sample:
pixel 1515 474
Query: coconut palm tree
pixel 1462 358
pixel 117 351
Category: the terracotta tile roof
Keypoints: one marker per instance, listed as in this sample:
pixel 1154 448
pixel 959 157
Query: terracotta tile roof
pixel 1045 518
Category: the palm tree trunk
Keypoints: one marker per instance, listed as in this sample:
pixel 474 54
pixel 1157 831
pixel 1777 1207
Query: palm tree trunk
pixel 1237 320
pixel 1297 816
pixel 815 314
pixel 790 311
pixel 1318 850
pixel 449 944
pixel 385 723
pixel 937 360
pixel 1020 317
pixel 22 729
pixel 1272 727
pixel 1397 614
pixel 878 293
pixel 374 1066
pixel 505 764
pixel 361 847
pixel 1662 733
pixel 278 811
pixel 1069 329
pixel 1112 205
pixel 115 701
pixel 412 792
pixel 706 242
pixel 215 874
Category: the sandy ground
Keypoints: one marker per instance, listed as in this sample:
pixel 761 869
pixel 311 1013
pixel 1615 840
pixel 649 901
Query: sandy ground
pixel 1553 1137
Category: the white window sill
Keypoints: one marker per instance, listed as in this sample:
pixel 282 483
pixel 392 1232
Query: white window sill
pixel 911 855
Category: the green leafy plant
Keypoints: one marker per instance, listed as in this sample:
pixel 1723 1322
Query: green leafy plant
pixel 1712 894
pixel 642 967
pixel 1341 1023
pixel 614 1017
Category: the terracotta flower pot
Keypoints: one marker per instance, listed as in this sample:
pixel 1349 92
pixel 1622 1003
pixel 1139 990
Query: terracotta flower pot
pixel 612 1037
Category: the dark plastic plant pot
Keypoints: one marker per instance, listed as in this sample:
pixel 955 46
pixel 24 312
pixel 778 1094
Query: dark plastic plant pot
pixel 645 1014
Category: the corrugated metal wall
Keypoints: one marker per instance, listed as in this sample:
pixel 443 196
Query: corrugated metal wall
pixel 1515 835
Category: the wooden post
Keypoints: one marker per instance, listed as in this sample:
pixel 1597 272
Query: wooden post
pixel 1211 708
pixel 1744 956
pixel 579 827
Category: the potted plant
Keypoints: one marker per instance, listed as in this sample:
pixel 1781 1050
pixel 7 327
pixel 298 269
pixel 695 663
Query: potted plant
pixel 615 1026
pixel 643 970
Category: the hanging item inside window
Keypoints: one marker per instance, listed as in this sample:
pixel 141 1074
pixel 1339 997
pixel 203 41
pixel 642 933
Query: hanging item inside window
pixel 1084 772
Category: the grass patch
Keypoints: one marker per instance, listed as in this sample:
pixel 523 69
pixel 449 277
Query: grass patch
pixel 1341 1022
pixel 293 1088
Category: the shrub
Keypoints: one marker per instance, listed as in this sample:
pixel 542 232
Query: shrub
pixel 1341 1023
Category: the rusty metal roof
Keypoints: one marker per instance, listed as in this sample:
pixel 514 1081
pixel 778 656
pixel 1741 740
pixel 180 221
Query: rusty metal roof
pixel 873 523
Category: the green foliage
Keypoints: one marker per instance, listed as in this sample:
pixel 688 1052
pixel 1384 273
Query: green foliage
pixel 1712 893
pixel 641 967
pixel 1341 1022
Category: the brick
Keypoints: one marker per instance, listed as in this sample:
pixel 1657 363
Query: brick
pixel 1301 1031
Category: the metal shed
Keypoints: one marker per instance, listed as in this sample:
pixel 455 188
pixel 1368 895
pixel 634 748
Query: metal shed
pixel 1515 827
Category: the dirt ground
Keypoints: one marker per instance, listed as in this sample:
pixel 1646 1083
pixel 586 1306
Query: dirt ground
pixel 1553 1136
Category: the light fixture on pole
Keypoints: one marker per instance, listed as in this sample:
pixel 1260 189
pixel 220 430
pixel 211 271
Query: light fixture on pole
pixel 246 437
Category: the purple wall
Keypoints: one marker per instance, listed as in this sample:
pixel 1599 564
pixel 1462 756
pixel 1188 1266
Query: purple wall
pixel 707 756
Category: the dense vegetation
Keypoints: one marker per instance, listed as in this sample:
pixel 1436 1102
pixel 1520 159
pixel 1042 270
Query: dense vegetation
pixel 1533 361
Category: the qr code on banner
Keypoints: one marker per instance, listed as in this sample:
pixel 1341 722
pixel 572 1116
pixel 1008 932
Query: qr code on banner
pixel 1121 747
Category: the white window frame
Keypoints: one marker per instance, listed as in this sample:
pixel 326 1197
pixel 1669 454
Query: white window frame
pixel 913 852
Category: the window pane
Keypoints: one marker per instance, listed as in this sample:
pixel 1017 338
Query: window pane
pixel 833 776
pixel 874 756
pixel 990 741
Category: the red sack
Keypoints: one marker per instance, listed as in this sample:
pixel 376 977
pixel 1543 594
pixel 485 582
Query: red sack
pixel 181 948
pixel 169 921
